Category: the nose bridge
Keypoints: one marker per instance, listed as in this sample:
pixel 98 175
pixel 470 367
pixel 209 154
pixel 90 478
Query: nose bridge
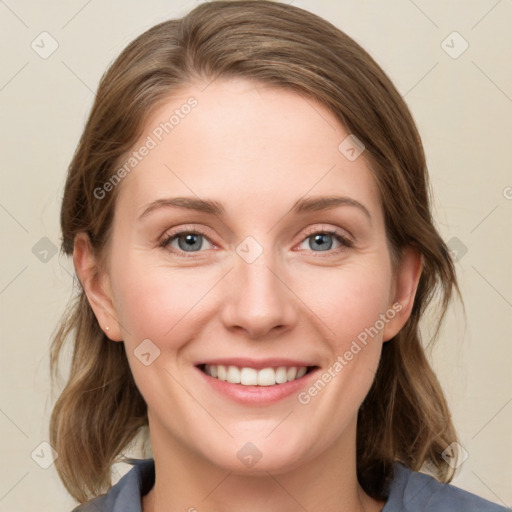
pixel 258 299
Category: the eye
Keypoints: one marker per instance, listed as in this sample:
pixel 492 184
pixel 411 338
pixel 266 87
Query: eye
pixel 194 241
pixel 186 241
pixel 321 241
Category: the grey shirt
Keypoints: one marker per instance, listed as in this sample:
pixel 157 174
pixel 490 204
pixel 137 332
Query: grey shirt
pixel 409 491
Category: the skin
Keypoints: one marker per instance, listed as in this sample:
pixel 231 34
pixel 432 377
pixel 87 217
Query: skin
pixel 256 150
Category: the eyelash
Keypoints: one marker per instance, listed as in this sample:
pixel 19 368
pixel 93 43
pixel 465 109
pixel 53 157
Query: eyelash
pixel 345 242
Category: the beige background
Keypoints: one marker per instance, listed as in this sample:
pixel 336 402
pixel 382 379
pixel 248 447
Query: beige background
pixel 463 107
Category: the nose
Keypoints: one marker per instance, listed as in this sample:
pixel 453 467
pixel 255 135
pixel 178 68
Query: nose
pixel 258 301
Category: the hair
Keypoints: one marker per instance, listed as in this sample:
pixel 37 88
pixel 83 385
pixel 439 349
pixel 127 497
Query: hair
pixel 100 411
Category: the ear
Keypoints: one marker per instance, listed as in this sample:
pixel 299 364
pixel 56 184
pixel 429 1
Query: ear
pixel 407 278
pixel 96 284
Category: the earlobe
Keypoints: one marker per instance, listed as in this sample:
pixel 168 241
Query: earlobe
pixel 406 283
pixel 96 284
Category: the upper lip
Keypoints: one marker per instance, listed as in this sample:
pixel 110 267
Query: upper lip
pixel 258 364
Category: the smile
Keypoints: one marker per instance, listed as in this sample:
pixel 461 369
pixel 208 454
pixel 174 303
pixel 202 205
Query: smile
pixel 247 376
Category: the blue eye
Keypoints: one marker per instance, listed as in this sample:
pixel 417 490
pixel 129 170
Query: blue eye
pixel 322 241
pixel 183 242
pixel 188 241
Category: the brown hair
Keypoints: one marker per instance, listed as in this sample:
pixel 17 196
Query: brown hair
pixel 100 410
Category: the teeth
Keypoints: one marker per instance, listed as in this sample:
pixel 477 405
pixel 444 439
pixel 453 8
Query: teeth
pixel 233 375
pixel 291 373
pixel 267 377
pixel 221 372
pixel 281 377
pixel 252 377
pixel 301 372
pixel 248 376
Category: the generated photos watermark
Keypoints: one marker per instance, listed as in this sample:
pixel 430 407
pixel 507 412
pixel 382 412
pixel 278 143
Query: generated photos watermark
pixel 357 345
pixel 151 142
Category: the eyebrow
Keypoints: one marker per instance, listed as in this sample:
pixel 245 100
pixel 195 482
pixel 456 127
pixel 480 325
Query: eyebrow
pixel 302 205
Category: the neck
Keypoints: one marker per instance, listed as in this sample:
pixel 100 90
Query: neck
pixel 186 481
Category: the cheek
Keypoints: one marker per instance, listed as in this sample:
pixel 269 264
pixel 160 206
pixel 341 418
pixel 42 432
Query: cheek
pixel 162 305
pixel 152 301
pixel 350 305
pixel 348 300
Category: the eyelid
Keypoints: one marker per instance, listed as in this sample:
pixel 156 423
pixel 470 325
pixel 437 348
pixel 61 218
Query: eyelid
pixel 343 234
pixel 164 241
pixel 346 242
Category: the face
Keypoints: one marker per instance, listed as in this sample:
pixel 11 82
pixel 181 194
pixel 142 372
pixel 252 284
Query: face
pixel 247 246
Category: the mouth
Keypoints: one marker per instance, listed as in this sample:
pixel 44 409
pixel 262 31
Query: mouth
pixel 250 376
pixel 256 382
pixel 247 376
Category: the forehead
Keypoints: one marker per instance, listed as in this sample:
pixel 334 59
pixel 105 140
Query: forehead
pixel 244 143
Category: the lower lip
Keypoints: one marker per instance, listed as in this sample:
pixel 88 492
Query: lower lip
pixel 257 395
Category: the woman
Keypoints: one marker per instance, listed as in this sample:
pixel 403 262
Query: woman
pixel 249 219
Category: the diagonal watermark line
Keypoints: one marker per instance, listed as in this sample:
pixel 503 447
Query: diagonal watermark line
pixel 421 79
pixel 116 320
pixel 92 504
pixel 200 299
pixel 286 491
pixel 76 14
pixel 13 13
pixel 14 76
pixel 410 498
pixel 319 114
pixel 13 423
pixel 485 15
pixel 492 81
pixel 283 3
pixel 490 490
pixel 301 300
pixel 492 418
pixel 217 486
pixel 424 13
pixel 278 424
pixel 186 185
pixel 13 218
pixel 208 84
pixel 487 281
pixel 166 166
pixel 373 372
pixel 13 279
pixel 77 76
pixel 66 270
pixel 198 402
pixel 304 195
pixel 484 218
pixel 14 485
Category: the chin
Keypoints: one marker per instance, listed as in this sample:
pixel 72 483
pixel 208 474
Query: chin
pixel 259 457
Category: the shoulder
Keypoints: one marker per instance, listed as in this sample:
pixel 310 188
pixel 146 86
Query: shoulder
pixel 411 491
pixel 125 495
